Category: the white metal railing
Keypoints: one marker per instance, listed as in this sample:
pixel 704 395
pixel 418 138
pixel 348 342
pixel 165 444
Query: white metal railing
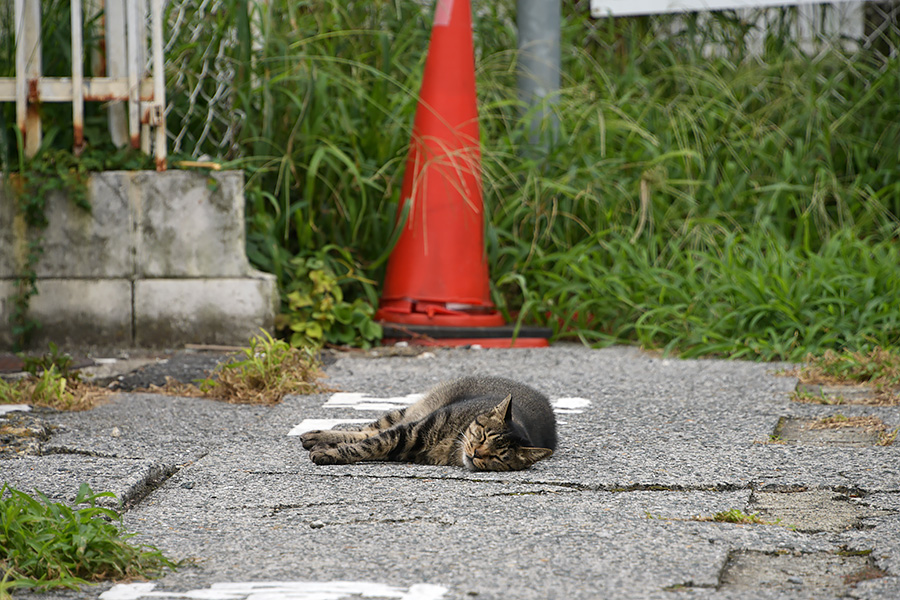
pixel 127 78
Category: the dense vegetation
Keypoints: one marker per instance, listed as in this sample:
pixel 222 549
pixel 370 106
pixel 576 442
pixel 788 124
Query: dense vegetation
pixel 698 196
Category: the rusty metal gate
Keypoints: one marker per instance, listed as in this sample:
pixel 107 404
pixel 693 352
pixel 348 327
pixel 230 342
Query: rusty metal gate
pixel 133 89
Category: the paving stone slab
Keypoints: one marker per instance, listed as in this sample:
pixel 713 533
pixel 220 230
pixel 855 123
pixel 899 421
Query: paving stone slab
pixel 824 572
pixel 815 510
pixel 803 431
pixel 59 476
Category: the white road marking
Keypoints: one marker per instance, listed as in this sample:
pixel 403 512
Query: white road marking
pixel 5 408
pixel 363 402
pixel 314 424
pixel 281 590
pixel 360 401
pixel 568 406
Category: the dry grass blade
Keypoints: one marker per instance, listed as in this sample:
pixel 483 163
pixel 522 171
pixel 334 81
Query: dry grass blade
pixel 842 395
pixel 878 367
pixel 871 425
pixel 173 387
pixel 840 421
pixel 865 574
pixel 876 370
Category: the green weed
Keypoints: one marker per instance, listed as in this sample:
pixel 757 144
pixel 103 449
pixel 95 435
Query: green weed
pixel 263 373
pixel 737 516
pixel 316 312
pixel 51 388
pixel 50 545
pixel 270 368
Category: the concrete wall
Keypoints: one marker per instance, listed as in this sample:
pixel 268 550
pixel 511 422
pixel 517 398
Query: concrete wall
pixel 160 262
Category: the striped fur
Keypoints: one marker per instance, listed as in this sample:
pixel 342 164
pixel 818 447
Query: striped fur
pixel 481 423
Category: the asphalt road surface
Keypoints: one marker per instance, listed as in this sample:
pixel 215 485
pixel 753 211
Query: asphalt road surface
pixel 650 450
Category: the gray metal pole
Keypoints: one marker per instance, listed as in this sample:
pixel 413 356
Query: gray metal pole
pixel 538 22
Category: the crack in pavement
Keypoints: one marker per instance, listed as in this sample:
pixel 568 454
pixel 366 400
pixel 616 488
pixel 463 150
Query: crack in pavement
pixel 51 450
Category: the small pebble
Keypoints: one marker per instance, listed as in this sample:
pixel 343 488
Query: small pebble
pixel 115 432
pixel 317 525
pixel 795 580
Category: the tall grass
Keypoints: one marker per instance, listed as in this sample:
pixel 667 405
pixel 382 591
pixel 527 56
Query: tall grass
pixel 741 295
pixel 697 197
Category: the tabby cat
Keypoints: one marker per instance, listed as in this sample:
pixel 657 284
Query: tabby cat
pixel 481 423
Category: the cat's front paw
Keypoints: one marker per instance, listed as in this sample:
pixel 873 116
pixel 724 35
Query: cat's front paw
pixel 312 438
pixel 326 455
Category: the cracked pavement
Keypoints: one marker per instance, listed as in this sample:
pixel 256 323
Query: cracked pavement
pixel 620 511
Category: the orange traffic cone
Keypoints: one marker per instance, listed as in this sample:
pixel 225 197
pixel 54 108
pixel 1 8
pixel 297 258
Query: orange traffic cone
pixel 436 287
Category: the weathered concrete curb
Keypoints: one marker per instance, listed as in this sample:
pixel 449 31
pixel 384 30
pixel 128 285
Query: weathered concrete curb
pixel 157 250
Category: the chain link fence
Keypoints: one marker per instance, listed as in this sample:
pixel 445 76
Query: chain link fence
pixel 202 37
pixel 200 50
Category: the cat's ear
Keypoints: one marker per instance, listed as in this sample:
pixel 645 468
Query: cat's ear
pixel 504 409
pixel 529 456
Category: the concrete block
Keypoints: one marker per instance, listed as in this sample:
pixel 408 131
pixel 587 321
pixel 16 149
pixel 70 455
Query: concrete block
pixel 74 312
pixel 191 225
pixel 75 243
pixel 7 288
pixel 158 262
pixel 172 312
pixel 11 230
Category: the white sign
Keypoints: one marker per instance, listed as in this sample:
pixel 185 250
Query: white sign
pixel 630 8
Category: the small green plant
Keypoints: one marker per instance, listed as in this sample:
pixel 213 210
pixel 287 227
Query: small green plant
pixel 46 544
pixel 808 397
pixel 52 382
pixel 270 369
pixel 736 515
pixel 50 388
pixel 316 312
pixel 62 362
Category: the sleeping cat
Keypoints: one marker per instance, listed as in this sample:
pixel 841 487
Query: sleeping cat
pixel 481 423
